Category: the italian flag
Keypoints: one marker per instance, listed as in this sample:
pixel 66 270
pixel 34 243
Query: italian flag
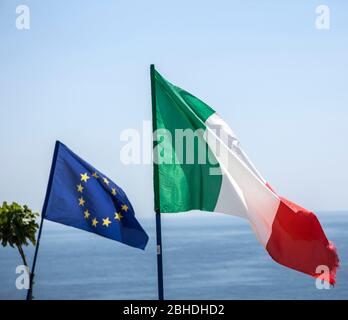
pixel 214 174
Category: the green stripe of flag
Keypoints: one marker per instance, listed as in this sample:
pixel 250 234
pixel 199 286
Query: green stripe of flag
pixel 183 186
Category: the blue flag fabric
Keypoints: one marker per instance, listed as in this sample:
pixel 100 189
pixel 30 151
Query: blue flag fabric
pixel 80 196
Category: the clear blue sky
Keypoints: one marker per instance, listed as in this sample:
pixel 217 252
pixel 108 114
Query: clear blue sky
pixel 81 75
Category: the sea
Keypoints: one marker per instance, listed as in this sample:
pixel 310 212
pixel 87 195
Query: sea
pixel 205 256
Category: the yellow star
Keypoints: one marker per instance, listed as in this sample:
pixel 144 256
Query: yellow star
pixel 82 201
pixel 79 188
pixel 84 177
pixel 106 181
pixel 87 214
pixel 94 222
pixel 113 191
pixel 124 207
pixel 95 175
pixel 118 216
pixel 106 222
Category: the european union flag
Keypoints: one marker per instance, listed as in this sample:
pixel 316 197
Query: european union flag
pixel 80 196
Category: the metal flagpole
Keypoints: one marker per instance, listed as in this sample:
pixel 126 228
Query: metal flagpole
pixel 31 279
pixel 156 191
pixel 159 256
pixel 32 271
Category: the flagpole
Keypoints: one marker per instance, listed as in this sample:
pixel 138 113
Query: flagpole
pixel 159 256
pixel 32 271
pixel 31 279
pixel 156 192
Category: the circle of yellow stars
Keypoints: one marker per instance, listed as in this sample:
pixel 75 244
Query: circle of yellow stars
pixel 82 202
